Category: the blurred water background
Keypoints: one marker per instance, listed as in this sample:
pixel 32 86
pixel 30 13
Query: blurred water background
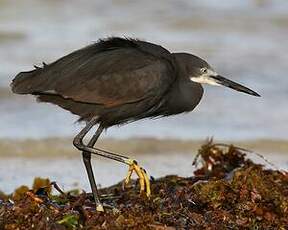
pixel 245 40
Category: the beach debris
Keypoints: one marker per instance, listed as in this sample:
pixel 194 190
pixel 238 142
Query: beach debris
pixel 228 191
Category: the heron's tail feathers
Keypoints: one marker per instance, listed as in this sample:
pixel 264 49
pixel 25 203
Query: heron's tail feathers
pixel 28 82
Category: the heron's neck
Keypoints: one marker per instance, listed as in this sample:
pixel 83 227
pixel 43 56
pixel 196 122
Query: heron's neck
pixel 184 96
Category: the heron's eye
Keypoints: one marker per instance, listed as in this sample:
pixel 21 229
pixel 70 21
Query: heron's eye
pixel 204 70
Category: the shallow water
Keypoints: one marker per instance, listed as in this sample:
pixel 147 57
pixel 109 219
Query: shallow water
pixel 244 40
pixel 70 173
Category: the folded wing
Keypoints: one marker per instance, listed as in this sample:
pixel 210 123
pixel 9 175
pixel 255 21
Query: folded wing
pixel 112 74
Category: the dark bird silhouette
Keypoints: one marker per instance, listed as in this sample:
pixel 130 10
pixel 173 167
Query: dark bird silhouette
pixel 120 80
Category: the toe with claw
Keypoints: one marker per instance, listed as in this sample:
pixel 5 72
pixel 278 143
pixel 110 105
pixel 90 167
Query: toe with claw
pixel 141 173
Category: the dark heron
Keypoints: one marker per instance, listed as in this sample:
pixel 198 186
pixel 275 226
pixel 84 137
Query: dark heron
pixel 116 81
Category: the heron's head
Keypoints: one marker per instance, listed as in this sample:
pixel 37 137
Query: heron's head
pixel 201 72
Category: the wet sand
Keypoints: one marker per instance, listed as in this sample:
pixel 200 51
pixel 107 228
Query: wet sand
pixel 63 147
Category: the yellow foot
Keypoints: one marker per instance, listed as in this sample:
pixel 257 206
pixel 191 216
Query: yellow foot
pixel 141 173
pixel 99 208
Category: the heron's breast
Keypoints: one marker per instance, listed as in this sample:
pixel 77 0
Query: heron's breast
pixel 184 98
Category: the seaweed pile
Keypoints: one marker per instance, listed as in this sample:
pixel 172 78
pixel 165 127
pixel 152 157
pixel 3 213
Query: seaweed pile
pixel 228 191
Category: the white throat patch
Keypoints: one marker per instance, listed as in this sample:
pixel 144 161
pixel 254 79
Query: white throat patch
pixel 205 78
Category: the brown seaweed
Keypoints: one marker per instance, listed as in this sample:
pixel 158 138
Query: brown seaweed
pixel 228 191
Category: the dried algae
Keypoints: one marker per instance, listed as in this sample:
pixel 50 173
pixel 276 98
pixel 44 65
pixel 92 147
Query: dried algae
pixel 227 191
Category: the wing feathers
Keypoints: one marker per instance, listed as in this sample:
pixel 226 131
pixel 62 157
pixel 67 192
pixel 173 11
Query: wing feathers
pixel 110 72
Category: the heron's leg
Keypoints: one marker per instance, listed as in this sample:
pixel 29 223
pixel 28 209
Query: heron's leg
pixel 133 165
pixel 87 159
pixel 87 162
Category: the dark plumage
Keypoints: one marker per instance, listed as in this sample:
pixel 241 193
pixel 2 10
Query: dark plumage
pixel 119 80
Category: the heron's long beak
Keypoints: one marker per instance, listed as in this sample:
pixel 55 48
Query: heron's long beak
pixel 233 85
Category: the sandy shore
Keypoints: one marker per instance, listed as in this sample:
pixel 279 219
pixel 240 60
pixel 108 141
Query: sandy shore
pixel 62 147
